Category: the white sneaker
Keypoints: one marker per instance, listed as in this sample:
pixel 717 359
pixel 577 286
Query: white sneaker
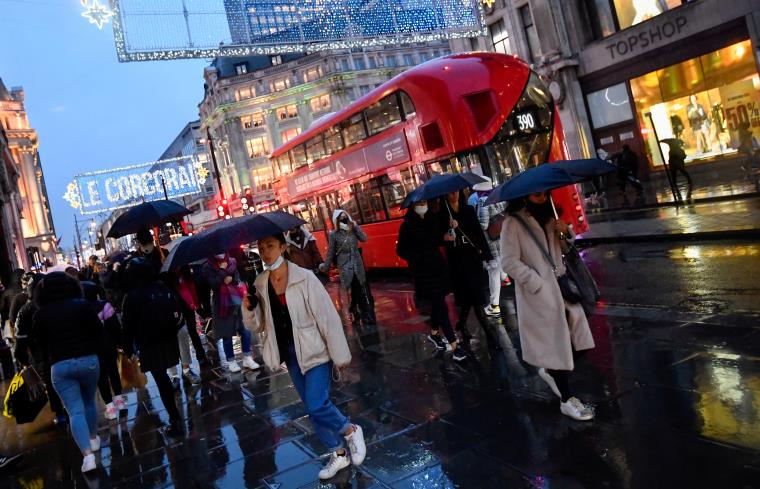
pixel 233 367
pixel 576 410
pixel 220 350
pixel 334 465
pixel 546 376
pixel 120 402
pixel 88 463
pixel 95 444
pixel 111 411
pixel 356 445
pixel 493 310
pixel 250 363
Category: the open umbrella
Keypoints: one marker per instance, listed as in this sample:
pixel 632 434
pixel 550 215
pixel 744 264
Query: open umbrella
pixel 229 234
pixel 146 215
pixel 441 185
pixel 549 176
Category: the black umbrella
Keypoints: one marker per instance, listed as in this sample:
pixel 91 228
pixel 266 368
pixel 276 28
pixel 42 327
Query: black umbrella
pixel 229 234
pixel 146 215
pixel 442 184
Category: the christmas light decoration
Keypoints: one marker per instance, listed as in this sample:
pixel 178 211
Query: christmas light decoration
pixel 117 188
pixel 96 13
pixel 143 32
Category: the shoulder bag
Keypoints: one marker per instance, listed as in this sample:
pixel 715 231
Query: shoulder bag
pixel 569 288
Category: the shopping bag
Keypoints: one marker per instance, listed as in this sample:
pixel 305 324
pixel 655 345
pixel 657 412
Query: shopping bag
pixel 34 383
pixel 19 403
pixel 130 374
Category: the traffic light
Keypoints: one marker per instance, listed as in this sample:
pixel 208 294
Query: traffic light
pixel 247 200
pixel 223 210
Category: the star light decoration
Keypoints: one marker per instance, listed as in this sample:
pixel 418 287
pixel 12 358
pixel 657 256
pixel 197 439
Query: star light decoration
pixel 201 173
pixel 72 195
pixel 96 13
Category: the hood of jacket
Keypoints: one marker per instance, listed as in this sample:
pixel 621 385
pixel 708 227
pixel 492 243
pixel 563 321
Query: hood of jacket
pixel 336 215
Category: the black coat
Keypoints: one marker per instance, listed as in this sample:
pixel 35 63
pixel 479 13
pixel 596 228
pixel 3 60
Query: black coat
pixel 466 256
pixel 67 329
pixel 419 245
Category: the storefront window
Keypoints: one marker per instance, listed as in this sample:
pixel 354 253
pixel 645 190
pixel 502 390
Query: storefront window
pixel 632 12
pixel 609 106
pixel 702 103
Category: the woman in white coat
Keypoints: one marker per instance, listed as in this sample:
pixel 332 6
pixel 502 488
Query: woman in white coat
pixel 553 332
pixel 299 326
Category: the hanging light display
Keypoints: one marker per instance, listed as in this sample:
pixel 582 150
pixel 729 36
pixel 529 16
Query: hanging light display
pixel 96 13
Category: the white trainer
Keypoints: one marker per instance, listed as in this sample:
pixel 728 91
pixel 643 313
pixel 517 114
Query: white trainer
pixel 356 445
pixel 576 410
pixel 111 411
pixel 334 465
pixel 250 363
pixel 88 463
pixel 233 367
pixel 546 376
pixel 95 444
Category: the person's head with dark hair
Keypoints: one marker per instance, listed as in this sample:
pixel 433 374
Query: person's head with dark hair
pixel 91 291
pixel 72 272
pixel 57 287
pixel 92 260
pixel 272 250
pixel 145 242
pixel 540 207
pixel 139 272
pixel 515 205
pixel 626 148
pixel 32 283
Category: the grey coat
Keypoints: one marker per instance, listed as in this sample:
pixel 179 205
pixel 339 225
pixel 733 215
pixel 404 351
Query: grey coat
pixel 485 213
pixel 343 250
pixel 550 328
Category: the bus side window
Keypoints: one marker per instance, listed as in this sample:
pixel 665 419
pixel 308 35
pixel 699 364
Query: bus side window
pixel 383 114
pixel 395 188
pixel 370 200
pixel 353 129
pixel 407 106
pixel 298 156
pixel 317 220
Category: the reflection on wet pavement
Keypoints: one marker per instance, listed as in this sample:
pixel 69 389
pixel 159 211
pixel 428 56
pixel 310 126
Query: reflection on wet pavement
pixel 677 396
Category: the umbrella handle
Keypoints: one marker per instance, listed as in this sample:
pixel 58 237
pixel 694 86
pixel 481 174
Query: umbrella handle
pixel 556 216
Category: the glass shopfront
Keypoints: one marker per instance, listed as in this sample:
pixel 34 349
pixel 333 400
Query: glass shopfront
pixel 701 102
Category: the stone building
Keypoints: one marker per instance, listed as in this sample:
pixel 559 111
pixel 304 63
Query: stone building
pixel 638 71
pixel 33 206
pixel 252 105
pixel 12 247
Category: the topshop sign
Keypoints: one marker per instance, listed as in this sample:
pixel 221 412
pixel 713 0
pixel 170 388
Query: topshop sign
pixel 118 188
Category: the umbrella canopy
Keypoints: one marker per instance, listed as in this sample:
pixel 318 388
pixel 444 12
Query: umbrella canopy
pixel 146 215
pixel 229 234
pixel 549 176
pixel 442 184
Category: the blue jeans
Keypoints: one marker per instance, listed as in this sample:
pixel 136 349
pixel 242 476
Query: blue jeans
pixel 75 380
pixel 314 389
pixel 245 342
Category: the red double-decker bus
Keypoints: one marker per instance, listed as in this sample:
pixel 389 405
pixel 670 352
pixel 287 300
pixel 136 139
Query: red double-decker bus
pixel 482 112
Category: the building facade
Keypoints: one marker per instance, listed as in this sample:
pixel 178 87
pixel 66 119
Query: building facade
pixel 40 244
pixel 637 72
pixel 253 105
pixel 12 247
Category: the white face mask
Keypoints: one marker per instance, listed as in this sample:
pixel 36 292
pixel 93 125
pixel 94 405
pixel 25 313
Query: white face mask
pixel 220 257
pixel 421 209
pixel 276 264
pixel 343 226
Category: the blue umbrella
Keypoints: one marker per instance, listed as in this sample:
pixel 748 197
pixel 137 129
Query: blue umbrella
pixel 442 184
pixel 229 234
pixel 146 215
pixel 549 176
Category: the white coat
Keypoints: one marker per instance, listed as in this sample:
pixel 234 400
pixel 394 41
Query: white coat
pixel 550 328
pixel 317 329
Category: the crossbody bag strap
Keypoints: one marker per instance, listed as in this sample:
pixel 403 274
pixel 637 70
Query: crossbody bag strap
pixel 545 251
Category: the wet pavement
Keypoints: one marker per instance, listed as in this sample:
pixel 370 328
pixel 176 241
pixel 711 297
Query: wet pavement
pixel 675 384
pixel 730 218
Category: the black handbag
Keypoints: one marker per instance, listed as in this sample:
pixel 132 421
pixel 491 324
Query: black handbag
pixel 576 268
pixel 568 286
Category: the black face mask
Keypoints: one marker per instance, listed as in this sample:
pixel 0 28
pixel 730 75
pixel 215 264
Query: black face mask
pixel 343 220
pixel 542 212
pixel 297 237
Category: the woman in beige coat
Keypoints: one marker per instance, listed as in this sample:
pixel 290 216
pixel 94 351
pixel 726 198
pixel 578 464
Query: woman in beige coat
pixel 299 326
pixel 553 332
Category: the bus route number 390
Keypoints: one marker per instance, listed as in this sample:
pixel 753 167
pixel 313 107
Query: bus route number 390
pixel 525 121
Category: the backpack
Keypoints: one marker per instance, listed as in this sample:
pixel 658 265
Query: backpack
pixel 494 226
pixel 165 312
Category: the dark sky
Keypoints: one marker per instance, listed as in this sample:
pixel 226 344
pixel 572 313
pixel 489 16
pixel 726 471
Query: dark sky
pixel 91 112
